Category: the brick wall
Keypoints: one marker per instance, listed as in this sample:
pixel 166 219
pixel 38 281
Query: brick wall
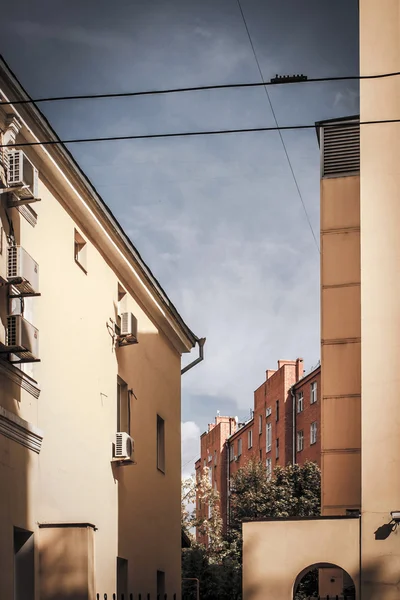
pixel 274 394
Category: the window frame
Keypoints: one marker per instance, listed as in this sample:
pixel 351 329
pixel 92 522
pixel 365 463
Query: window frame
pixel 313 392
pixel 300 437
pixel 268 466
pixel 239 447
pixel 250 438
pixel 268 441
pixel 277 411
pixel 313 433
pixel 300 402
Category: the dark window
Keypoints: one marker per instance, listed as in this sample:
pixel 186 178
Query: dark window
pixel 123 407
pixel 160 584
pixel 122 577
pixel 277 447
pixel 24 565
pixel 160 445
pixel 277 410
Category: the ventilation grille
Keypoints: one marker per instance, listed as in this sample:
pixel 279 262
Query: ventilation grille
pixel 11 331
pixel 12 266
pixel 341 150
pixel 14 166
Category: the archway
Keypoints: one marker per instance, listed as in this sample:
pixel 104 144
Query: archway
pixel 324 581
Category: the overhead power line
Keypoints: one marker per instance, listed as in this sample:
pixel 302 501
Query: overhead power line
pixel 149 136
pixel 279 131
pixel 197 88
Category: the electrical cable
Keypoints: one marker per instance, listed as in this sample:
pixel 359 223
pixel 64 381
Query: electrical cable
pixel 279 131
pixel 198 88
pixel 150 136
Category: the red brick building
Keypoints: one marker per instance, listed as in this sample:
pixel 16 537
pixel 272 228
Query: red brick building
pixel 284 429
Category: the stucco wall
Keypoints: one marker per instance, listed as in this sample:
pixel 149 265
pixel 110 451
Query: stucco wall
pixel 276 552
pixel 380 297
pixel 135 507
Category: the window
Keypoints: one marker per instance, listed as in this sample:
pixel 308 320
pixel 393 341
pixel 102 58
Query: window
pixel 240 447
pixel 160 444
pixel 260 420
pixel 215 457
pixel 269 436
pixel 250 438
pixel 122 577
pixel 260 454
pixel 313 397
pixel 300 441
pixel 123 408
pixel 210 476
pixel 268 411
pixel 80 251
pixel 160 584
pixel 24 565
pixel 277 410
pixel 231 449
pixel 277 448
pixel 269 467
pixel 300 402
pixel 313 432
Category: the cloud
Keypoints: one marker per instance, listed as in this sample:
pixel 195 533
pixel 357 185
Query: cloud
pixel 190 446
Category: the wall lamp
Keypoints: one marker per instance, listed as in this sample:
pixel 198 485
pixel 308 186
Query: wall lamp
pixel 395 514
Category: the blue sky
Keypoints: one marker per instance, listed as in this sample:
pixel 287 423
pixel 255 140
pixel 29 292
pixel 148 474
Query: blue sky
pixel 218 219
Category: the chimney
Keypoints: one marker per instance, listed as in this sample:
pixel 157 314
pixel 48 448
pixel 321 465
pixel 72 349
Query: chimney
pixel 299 369
pixel 269 373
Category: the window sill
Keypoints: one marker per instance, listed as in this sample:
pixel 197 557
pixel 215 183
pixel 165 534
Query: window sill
pixel 313 443
pixel 81 266
pixel 161 470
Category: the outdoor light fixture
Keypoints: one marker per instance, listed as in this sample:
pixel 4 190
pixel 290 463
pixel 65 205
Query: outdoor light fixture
pixel 395 514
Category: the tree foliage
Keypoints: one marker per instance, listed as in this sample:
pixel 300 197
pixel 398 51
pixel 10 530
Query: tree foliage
pixel 292 491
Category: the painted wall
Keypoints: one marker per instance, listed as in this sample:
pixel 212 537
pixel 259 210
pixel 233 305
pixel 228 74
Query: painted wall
pixel 276 553
pixel 135 508
pixel 380 298
pixel 340 345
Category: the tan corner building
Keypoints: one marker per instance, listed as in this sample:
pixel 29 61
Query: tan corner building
pixel 90 384
pixel 360 300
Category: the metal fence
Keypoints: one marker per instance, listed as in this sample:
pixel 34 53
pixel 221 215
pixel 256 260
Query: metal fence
pixel 136 597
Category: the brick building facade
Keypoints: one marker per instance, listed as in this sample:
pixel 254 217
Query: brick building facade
pixel 284 429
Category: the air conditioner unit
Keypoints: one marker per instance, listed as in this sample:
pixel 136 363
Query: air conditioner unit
pixel 22 270
pixel 22 174
pixel 3 255
pixel 124 446
pixel 129 327
pixel 22 338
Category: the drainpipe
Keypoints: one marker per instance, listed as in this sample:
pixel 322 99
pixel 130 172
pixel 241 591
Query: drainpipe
pixel 201 343
pixel 294 425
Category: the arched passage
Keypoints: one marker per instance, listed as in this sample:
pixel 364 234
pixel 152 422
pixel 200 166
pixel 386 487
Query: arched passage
pixel 324 581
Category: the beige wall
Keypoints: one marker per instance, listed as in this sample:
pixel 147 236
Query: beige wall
pixel 380 296
pixel 340 344
pixel 276 553
pixel 135 508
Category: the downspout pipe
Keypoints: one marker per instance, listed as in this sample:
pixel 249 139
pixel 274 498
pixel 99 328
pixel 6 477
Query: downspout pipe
pixel 294 425
pixel 201 342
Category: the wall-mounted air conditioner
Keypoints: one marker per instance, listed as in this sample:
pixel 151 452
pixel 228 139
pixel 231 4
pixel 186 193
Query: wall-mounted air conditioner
pixel 128 327
pixel 3 255
pixel 22 174
pixel 124 446
pixel 22 270
pixel 22 338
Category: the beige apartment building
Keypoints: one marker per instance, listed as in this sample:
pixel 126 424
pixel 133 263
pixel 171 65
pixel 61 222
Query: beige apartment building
pixel 90 384
pixel 358 531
